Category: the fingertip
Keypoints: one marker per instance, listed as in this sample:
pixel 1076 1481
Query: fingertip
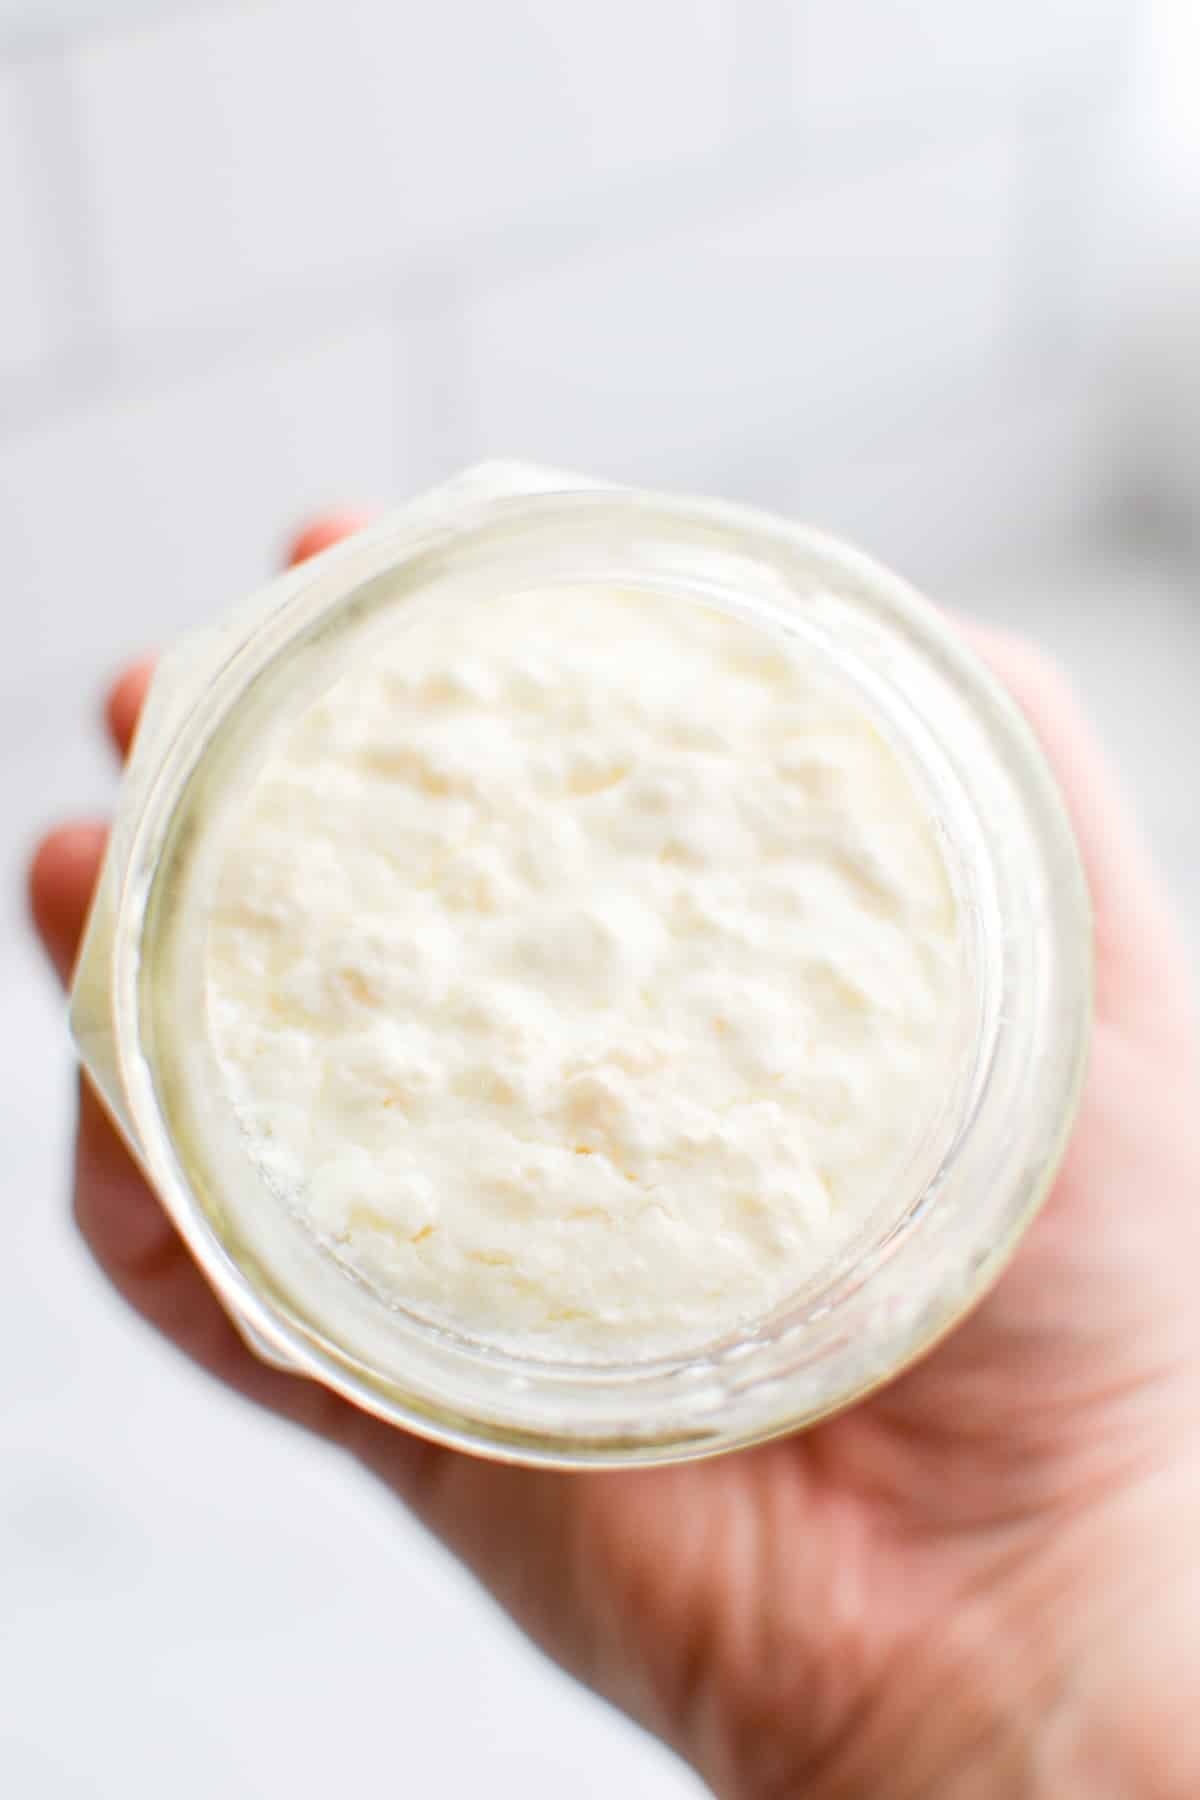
pixel 61 862
pixel 62 875
pixel 322 533
pixel 125 700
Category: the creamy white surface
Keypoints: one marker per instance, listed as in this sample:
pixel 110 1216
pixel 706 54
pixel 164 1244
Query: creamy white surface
pixel 580 970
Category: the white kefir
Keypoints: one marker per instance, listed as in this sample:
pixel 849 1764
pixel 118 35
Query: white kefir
pixel 581 971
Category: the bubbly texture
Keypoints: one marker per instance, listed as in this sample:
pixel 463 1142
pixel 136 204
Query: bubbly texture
pixel 580 971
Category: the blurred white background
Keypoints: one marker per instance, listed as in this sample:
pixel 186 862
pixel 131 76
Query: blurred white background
pixel 929 274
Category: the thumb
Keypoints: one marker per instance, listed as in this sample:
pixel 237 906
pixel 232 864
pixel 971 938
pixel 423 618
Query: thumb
pixel 1138 944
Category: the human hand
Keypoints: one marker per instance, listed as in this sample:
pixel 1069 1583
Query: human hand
pixel 981 1581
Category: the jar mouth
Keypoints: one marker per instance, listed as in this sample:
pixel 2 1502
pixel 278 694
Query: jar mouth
pixel 985 1162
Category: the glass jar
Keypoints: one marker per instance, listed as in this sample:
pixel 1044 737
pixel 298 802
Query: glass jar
pixel 973 1182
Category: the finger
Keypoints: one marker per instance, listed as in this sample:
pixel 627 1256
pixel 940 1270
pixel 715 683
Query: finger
pixel 124 704
pixel 322 533
pixel 61 878
pixel 1138 946
pixel 141 1253
pixel 121 1221
pixel 1098 807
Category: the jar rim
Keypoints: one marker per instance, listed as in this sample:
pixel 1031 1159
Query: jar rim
pixel 883 1316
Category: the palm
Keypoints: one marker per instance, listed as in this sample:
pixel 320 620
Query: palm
pixel 716 1600
pixel 803 1571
